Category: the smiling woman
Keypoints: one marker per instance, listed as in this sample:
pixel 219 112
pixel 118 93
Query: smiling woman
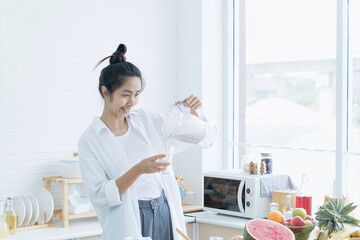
pixel 118 166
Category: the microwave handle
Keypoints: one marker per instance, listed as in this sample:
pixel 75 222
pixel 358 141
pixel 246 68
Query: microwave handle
pixel 239 195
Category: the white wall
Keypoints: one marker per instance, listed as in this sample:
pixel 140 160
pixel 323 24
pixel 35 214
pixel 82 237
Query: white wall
pixel 201 70
pixel 48 92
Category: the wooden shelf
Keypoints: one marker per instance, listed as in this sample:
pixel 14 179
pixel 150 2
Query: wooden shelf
pixel 187 208
pixel 63 180
pixel 64 212
pixel 58 214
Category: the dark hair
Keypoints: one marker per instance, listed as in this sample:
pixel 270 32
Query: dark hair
pixel 115 75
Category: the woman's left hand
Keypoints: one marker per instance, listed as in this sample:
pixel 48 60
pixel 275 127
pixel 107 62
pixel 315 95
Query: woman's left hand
pixel 193 103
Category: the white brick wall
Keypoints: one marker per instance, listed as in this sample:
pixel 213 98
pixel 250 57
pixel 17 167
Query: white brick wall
pixel 48 92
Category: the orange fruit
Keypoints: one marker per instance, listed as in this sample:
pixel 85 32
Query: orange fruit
pixel 276 216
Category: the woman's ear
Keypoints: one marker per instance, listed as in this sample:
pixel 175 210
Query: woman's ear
pixel 105 93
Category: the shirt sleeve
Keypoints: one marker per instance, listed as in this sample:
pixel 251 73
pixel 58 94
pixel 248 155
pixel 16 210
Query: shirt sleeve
pixel 102 191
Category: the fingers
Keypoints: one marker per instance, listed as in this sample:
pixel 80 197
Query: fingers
pixel 197 105
pixel 162 165
pixel 192 102
pixel 155 163
pixel 156 157
pixel 159 166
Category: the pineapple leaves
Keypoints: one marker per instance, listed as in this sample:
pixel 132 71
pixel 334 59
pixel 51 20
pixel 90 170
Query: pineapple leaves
pixel 347 209
pixel 331 205
pixel 334 215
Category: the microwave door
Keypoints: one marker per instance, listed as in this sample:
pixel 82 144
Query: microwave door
pixel 240 196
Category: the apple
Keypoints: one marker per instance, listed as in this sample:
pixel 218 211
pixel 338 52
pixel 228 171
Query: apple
pixel 297 222
pixel 299 212
pixel 308 223
pixel 285 223
pixel 308 217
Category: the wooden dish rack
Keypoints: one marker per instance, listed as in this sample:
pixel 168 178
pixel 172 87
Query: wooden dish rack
pixel 34 225
pixel 64 212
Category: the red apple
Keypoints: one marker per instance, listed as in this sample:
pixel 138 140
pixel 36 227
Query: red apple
pixel 297 222
pixel 285 223
pixel 308 217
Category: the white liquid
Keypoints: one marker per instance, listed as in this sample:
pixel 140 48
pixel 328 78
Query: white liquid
pixel 191 131
pixel 169 155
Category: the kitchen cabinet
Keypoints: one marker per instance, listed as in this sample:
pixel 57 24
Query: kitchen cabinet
pixel 209 224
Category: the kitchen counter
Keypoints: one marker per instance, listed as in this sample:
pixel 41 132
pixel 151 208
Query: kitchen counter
pixel 78 228
pixel 219 219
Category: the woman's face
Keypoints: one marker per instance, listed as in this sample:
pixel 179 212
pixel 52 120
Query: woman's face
pixel 124 98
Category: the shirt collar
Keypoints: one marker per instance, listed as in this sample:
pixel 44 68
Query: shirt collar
pixel 99 125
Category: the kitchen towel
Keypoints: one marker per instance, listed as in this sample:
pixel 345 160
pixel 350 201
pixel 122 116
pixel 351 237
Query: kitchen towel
pixel 269 183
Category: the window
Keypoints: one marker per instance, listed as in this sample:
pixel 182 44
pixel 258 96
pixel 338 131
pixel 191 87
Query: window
pixel 354 77
pixel 288 51
pixel 290 73
pixel 353 156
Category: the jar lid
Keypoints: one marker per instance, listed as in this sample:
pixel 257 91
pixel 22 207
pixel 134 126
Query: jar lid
pixel 266 154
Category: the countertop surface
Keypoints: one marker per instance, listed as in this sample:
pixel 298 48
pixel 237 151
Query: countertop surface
pixel 78 228
pixel 87 227
pixel 219 219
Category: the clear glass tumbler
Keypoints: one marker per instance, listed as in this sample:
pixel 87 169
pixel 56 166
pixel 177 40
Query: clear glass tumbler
pixel 160 149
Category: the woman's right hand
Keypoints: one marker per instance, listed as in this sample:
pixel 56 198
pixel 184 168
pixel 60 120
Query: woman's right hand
pixel 149 165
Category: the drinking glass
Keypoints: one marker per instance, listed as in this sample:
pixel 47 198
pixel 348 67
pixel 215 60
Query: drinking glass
pixel 160 149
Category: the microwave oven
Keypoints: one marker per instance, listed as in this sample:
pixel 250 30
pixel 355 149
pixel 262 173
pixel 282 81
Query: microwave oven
pixel 234 193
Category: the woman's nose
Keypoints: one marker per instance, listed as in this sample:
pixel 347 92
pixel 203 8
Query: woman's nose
pixel 132 101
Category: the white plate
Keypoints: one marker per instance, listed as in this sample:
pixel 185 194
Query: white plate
pixel 35 208
pixel 29 209
pixel 19 208
pixel 46 204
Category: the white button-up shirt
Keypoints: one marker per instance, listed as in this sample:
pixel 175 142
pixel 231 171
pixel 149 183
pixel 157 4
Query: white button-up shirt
pixel 103 160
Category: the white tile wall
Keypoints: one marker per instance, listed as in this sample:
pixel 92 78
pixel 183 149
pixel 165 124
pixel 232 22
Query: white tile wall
pixel 48 91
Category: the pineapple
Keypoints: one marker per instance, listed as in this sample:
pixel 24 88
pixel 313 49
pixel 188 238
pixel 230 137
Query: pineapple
pixel 334 216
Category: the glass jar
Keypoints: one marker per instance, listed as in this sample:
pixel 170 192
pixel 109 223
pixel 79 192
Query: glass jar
pixel 266 158
pixel 273 206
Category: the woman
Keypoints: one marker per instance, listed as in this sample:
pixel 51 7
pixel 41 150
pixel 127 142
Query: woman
pixel 120 172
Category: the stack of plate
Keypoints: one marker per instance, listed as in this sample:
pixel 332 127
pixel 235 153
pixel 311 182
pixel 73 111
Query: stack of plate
pixel 34 206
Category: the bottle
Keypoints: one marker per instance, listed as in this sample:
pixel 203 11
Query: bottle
pixel 266 158
pixel 303 197
pixel 287 204
pixel 10 216
pixel 4 229
pixel 287 211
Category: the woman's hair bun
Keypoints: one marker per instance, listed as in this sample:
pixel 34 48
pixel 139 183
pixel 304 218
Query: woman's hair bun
pixel 121 49
pixel 119 54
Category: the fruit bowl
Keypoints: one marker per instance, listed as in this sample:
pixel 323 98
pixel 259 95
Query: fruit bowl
pixel 302 232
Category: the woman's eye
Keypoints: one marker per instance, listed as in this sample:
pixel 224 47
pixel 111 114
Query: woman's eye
pixel 126 95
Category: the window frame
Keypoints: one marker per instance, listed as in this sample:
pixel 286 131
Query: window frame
pixel 237 83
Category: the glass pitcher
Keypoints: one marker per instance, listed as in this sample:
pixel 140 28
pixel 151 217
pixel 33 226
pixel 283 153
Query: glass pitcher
pixel 181 125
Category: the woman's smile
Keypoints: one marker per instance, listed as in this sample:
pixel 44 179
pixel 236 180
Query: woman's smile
pixel 126 110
